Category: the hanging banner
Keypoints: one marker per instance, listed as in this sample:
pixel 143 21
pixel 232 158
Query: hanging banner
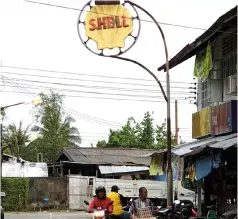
pixel 203 63
pixel 201 123
pixel 108 25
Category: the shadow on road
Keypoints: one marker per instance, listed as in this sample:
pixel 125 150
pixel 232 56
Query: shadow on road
pixel 47 215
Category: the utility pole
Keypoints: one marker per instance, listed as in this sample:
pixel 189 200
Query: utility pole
pixel 176 122
pixel 1 112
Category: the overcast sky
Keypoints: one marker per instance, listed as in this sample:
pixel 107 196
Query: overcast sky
pixel 42 37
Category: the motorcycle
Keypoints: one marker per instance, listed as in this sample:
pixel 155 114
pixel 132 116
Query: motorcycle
pixel 100 213
pixel 178 210
pixel 230 214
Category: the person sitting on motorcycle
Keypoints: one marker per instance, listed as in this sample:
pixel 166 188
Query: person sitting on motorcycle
pixel 118 202
pixel 101 201
pixel 142 202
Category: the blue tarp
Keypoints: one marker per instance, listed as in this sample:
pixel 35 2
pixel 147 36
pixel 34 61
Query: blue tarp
pixel 204 166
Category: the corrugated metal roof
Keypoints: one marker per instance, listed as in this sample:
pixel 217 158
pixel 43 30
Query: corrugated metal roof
pixel 155 153
pixel 121 169
pixel 225 144
pixel 196 146
pixel 110 156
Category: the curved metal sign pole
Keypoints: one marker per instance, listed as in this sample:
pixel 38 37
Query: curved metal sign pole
pixel 167 99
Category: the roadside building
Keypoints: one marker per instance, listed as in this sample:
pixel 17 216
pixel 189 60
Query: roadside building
pixel 210 162
pixel 102 162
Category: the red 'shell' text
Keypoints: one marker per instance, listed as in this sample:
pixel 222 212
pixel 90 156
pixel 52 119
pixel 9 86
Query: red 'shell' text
pixel 108 22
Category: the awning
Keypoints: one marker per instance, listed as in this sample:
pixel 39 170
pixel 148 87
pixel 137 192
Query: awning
pixel 105 170
pixel 225 144
pixel 196 147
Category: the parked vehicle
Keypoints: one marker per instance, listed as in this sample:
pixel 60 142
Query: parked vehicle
pixel 157 190
pixel 180 210
pixel 3 195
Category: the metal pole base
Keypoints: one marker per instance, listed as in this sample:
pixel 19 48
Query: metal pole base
pixel 169 187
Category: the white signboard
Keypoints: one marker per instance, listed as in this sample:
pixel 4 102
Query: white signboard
pixel 13 169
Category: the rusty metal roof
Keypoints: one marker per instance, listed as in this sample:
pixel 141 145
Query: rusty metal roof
pixel 197 146
pixel 105 170
pixel 103 156
pixel 155 153
pixel 223 23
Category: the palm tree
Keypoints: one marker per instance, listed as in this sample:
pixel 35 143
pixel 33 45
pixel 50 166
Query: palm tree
pixel 65 129
pixel 15 139
pixel 55 129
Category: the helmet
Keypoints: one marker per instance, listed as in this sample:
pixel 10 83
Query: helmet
pixel 100 189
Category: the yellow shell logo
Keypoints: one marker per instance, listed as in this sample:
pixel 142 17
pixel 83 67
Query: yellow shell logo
pixel 108 25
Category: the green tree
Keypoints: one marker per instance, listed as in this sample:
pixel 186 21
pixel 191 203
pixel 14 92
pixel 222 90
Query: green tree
pixel 15 139
pixel 55 128
pixel 161 136
pixel 102 144
pixel 125 137
pixel 139 135
pixel 146 134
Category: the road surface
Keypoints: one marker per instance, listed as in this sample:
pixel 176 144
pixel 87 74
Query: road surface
pixel 47 215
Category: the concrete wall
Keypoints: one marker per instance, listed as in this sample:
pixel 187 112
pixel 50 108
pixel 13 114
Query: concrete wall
pixel 55 189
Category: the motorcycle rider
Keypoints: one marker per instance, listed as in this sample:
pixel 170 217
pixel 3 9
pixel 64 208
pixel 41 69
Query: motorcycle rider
pixel 101 201
pixel 142 202
pixel 118 202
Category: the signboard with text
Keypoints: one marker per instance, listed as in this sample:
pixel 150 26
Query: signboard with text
pixel 108 25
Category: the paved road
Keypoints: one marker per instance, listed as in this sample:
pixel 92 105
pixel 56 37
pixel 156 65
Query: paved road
pixel 46 215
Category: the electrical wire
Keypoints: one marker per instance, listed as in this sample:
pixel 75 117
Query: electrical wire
pixel 83 116
pixel 21 89
pixel 181 97
pixel 105 94
pixel 70 84
pixel 93 121
pixel 144 20
pixel 105 88
pixel 92 118
pixel 83 74
pixel 108 98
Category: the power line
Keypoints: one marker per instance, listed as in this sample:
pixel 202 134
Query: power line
pixel 82 115
pixel 122 99
pixel 67 84
pixel 110 94
pixel 21 89
pixel 83 74
pixel 92 119
pixel 92 116
pixel 144 20
pixel 181 97
pixel 107 98
pixel 77 79
pixel 103 88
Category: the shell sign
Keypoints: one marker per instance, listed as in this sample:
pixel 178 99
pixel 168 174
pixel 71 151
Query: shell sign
pixel 108 25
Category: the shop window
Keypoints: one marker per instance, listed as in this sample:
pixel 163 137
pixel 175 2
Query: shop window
pixel 204 92
pixel 229 55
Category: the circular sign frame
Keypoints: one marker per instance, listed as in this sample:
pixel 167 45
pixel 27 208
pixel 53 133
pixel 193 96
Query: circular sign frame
pixel 120 51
